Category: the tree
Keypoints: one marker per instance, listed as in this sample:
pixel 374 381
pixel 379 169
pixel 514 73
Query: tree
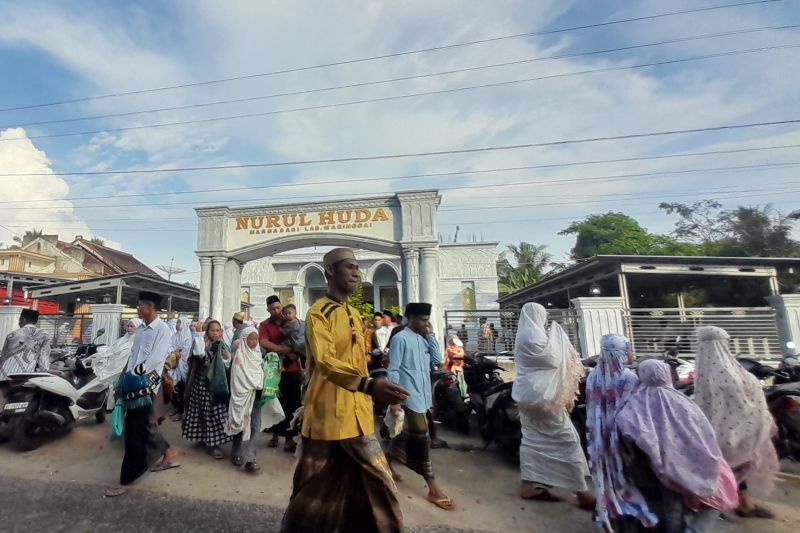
pixel 530 263
pixel 29 236
pixel 619 234
pixel 740 232
pixel 98 241
pixel 356 299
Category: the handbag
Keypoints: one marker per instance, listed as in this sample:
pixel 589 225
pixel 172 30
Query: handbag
pixel 117 421
pixel 218 378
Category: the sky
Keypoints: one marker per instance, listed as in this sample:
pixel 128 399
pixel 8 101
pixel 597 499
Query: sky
pixel 740 72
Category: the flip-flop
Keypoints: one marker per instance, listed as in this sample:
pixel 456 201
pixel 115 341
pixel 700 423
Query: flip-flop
pixel 446 503
pixel 113 493
pixel 543 495
pixel 237 461
pixel 273 443
pixel 253 468
pixel 160 467
pixel 756 512
pixel 436 444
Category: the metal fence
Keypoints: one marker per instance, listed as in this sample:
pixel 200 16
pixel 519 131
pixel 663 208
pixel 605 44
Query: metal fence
pixel 503 324
pixel 753 331
pixel 67 331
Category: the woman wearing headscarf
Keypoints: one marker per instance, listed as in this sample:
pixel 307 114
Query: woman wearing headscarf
pixel 180 351
pixel 244 413
pixel 608 388
pixel 204 421
pixel 545 387
pixel 110 363
pixel 678 465
pixel 733 400
pixel 454 362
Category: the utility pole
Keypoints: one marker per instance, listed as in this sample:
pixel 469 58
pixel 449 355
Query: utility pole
pixel 169 271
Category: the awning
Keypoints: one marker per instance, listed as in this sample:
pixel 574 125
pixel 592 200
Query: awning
pixel 121 289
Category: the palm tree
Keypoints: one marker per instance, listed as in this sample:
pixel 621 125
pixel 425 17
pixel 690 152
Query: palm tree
pixel 530 263
pixel 30 235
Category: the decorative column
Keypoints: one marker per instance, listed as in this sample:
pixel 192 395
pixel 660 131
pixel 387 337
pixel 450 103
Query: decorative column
pixel 217 287
pixel 9 319
pixel 205 288
pixel 787 307
pixel 109 318
pixel 429 282
pixel 232 292
pixel 299 297
pixel 400 296
pixel 598 316
pixel 411 274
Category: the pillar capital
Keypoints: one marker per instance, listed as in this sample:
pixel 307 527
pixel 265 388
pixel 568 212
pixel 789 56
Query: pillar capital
pixel 219 260
pixel 204 260
pixel 429 252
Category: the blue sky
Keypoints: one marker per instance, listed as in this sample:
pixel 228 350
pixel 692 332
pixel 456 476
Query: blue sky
pixel 51 52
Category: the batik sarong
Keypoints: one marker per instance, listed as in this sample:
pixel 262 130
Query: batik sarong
pixel 343 486
pixel 412 446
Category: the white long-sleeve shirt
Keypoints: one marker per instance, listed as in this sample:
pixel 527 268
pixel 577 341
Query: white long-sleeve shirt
pixel 151 346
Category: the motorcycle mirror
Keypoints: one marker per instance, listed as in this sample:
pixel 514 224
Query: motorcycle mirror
pixel 100 332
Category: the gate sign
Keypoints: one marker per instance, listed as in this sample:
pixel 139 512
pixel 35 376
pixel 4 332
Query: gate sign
pixel 375 222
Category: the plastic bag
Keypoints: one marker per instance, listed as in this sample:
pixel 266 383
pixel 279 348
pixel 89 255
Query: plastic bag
pixel 272 377
pixel 394 422
pixel 117 421
pixel 218 379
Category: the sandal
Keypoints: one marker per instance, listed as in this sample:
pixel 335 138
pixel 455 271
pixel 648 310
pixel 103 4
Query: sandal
pixel 756 512
pixel 113 493
pixel 237 460
pixel 290 446
pixel 438 443
pixel 273 442
pixel 216 453
pixel 160 467
pixel 253 468
pixel 542 494
pixel 446 503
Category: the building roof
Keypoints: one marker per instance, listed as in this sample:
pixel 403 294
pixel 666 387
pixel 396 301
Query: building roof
pixel 117 261
pixel 602 266
pixel 96 290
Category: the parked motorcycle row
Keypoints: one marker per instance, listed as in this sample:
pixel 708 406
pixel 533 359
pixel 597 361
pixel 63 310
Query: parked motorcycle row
pixel 497 414
pixel 42 405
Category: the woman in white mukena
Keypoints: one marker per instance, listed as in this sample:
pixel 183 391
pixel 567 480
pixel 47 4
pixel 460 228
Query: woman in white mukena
pixel 546 385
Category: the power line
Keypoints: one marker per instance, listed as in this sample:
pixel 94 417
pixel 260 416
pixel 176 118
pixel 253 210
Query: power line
pixel 550 204
pixel 408 176
pixel 397 97
pixel 549 181
pixel 392 55
pixel 425 154
pixel 393 80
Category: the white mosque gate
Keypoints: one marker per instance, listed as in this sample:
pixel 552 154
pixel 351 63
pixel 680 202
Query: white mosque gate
pixel 402 224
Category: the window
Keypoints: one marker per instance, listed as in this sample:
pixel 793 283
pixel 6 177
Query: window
pixel 468 295
pixel 286 294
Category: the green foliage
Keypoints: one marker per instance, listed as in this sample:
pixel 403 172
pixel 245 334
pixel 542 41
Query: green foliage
pixel 356 300
pixel 30 235
pixel 98 240
pixel 618 234
pixel 529 263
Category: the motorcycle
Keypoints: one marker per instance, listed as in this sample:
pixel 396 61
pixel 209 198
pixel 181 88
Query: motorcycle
pixel 448 405
pixel 46 404
pixel 490 397
pixel 783 402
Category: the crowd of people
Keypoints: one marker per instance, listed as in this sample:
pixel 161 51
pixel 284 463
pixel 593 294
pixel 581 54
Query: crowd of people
pixel 655 456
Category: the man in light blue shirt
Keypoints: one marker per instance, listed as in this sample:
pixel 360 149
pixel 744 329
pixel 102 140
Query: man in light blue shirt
pixel 412 353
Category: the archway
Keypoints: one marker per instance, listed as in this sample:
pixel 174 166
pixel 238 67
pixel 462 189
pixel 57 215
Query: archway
pixel 402 224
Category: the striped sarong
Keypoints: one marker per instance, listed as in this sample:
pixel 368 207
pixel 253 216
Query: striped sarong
pixel 343 486
pixel 412 446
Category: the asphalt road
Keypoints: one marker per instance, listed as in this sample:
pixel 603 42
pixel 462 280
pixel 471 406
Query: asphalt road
pixel 65 507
